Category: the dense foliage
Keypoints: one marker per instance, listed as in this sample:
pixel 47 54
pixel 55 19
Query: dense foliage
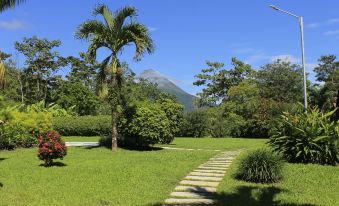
pixel 83 125
pixel 195 124
pixel 307 138
pixel 18 128
pixel 51 146
pixel 260 166
pixel 145 124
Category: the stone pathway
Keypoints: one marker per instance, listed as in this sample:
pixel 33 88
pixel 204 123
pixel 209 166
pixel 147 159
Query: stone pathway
pixel 200 185
pixel 82 144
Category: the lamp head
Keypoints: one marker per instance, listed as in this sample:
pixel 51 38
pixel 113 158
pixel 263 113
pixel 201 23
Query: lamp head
pixel 274 7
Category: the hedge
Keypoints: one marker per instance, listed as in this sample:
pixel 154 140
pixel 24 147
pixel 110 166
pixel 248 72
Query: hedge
pixel 83 125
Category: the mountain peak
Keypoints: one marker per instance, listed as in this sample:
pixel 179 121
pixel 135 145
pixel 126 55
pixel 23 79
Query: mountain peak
pixel 165 84
pixel 149 73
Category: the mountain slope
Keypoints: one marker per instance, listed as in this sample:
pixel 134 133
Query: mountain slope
pixel 166 85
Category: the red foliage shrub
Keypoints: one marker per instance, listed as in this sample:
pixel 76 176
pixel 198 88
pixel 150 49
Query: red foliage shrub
pixel 51 146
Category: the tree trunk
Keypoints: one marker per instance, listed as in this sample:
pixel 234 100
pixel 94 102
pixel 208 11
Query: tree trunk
pixel 336 117
pixel 113 96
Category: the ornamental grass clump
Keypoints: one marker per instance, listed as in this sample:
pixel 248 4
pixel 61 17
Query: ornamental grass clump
pixel 51 146
pixel 260 166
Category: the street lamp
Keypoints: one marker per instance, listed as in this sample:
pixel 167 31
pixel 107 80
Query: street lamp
pixel 301 22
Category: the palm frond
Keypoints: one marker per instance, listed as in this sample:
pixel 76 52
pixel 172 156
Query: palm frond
pixel 96 43
pixel 7 4
pixel 101 79
pixel 122 14
pixel 89 29
pixel 139 35
pixel 107 14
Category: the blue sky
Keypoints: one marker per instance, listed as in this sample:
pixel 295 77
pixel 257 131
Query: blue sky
pixel 189 32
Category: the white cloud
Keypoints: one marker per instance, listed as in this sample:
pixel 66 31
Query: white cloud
pixel 313 25
pixel 257 58
pixel 333 21
pixel 286 58
pixel 331 33
pixel 12 25
pixel 323 23
pixel 152 29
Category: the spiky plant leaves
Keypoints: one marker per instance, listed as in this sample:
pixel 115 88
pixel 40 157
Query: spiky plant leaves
pixel 307 137
pixel 260 166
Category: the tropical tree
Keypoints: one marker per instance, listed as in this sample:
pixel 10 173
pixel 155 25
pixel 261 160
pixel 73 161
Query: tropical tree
pixel 114 34
pixel 3 57
pixel 7 4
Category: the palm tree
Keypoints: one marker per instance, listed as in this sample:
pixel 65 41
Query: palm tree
pixel 6 4
pixel 114 34
pixel 3 57
pixel 2 75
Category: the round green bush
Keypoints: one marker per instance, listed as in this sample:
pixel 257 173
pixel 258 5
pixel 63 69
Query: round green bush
pixel 260 166
pixel 144 124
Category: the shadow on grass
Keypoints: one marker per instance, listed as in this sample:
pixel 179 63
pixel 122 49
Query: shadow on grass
pixel 243 196
pixel 127 148
pixel 2 159
pixel 55 164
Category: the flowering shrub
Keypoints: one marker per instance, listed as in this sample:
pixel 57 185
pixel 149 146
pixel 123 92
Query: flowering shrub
pixel 51 147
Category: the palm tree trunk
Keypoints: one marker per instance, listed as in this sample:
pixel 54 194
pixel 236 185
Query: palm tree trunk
pixel 114 104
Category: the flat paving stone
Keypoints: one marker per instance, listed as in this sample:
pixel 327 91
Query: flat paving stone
pixel 204 201
pixel 206 174
pixel 191 177
pixel 195 189
pixel 199 183
pixel 82 144
pixel 218 163
pixel 210 171
pixel 218 166
pixel 210 168
pixel 191 194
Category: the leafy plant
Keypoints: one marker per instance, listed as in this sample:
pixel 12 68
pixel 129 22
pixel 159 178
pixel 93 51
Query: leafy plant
pixel 261 166
pixel 145 124
pixel 307 137
pixel 15 135
pixel 195 124
pixel 51 146
pixel 83 125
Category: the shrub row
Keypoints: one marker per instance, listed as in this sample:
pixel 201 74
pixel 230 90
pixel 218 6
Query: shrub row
pixel 19 128
pixel 83 125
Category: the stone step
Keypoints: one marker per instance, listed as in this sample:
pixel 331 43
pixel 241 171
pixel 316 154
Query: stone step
pixel 203 201
pixel 206 174
pixel 218 166
pixel 215 179
pixel 199 183
pixel 195 189
pixel 191 194
pixel 218 163
pixel 210 168
pixel 222 158
pixel 210 171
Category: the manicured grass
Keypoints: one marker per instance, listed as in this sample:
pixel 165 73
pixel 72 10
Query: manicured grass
pixel 81 138
pixel 303 185
pixel 94 176
pixel 217 143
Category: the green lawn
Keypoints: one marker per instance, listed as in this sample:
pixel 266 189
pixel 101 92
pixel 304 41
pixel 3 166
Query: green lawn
pixel 99 177
pixel 94 176
pixel 217 143
pixel 303 185
pixel 194 143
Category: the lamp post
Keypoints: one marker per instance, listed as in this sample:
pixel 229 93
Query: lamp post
pixel 301 22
